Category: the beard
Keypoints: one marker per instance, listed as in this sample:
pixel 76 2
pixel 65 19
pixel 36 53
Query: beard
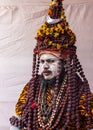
pixel 52 81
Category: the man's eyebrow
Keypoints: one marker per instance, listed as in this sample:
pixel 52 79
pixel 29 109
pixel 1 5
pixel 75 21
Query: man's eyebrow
pixel 52 59
pixel 49 59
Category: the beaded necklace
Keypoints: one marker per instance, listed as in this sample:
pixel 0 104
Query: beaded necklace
pixel 47 121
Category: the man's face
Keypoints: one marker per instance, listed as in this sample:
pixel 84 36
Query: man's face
pixel 49 65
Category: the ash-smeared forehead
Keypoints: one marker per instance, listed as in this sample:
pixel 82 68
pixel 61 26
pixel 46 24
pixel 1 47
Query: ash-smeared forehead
pixel 48 56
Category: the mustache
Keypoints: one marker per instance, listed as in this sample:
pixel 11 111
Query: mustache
pixel 46 71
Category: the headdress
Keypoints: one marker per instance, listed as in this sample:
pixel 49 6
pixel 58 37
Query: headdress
pixel 55 35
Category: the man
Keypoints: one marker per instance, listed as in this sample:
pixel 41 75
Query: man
pixel 59 98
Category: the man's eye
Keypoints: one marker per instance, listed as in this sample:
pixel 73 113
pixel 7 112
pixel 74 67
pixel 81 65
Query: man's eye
pixel 42 61
pixel 50 61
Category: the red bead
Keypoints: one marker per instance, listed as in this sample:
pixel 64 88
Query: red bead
pixel 33 105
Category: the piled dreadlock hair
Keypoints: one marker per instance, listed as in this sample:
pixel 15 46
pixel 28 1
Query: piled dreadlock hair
pixel 55 37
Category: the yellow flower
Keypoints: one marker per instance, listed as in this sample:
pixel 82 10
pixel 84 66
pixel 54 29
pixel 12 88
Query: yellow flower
pixel 59 26
pixel 47 29
pixel 53 44
pixel 51 3
pixel 66 27
pixel 58 46
pixel 39 34
pixel 56 35
pixel 57 29
pixel 44 25
pixel 43 28
pixel 50 43
pixel 72 37
pixel 51 30
pixel 66 45
pixel 62 31
pixel 47 33
pixel 38 30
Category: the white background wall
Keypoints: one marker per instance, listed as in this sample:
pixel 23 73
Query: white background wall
pixel 19 20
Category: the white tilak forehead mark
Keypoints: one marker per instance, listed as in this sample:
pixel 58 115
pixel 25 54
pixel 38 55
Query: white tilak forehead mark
pixel 48 57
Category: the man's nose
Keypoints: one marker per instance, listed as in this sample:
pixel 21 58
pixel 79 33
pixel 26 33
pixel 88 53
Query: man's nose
pixel 46 65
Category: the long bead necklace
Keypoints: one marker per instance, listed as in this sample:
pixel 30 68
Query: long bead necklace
pixel 48 124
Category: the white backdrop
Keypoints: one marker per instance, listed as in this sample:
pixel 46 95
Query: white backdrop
pixel 19 20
